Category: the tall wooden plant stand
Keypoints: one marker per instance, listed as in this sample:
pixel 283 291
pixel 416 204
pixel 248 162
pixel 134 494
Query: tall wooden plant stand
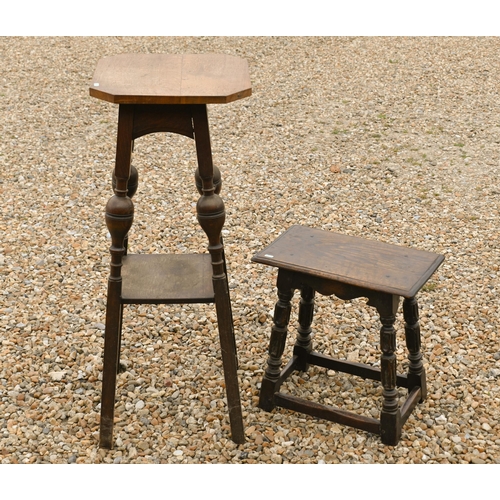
pixel 167 93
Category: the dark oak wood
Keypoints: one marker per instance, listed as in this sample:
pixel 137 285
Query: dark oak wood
pixel 167 93
pixel 167 279
pixel 311 260
pixel 367 264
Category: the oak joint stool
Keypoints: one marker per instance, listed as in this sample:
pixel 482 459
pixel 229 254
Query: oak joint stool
pixel 313 260
pixel 167 93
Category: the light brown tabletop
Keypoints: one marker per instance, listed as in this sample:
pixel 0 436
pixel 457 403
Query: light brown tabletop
pixel 171 79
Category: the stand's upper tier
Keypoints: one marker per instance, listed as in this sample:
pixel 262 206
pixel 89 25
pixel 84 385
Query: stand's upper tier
pixel 171 79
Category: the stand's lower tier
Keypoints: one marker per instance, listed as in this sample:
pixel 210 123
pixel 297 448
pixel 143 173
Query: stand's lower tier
pixel 167 279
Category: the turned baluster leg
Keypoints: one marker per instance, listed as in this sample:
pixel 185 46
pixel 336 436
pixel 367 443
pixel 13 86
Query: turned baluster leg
pixel 416 371
pixel 211 216
pixel 277 343
pixel 132 185
pixel 217 181
pixel 303 344
pixel 119 217
pixel 390 417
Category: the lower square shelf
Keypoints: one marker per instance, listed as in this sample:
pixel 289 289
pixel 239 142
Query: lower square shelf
pixel 167 279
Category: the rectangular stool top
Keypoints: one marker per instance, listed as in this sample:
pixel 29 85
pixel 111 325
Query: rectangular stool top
pixel 369 264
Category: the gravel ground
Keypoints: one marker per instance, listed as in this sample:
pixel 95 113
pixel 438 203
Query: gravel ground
pixel 394 139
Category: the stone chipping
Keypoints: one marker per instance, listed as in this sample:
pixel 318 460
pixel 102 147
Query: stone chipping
pixel 394 139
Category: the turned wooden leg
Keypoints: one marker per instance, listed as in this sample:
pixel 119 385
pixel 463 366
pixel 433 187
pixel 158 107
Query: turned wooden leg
pixel 416 371
pixel 119 218
pixel 390 417
pixel 211 221
pixel 277 343
pixel 132 185
pixel 217 185
pixel 303 344
pixel 211 216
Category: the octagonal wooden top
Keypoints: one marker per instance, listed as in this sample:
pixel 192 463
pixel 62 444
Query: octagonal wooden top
pixel 171 79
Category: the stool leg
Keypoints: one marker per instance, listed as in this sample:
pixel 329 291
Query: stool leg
pixel 279 332
pixel 211 216
pixel 303 344
pixel 119 218
pixel 390 417
pixel 416 371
